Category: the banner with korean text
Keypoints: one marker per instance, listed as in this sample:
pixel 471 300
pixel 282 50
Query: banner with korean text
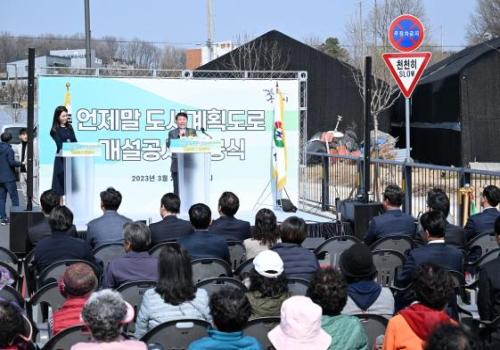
pixel 130 119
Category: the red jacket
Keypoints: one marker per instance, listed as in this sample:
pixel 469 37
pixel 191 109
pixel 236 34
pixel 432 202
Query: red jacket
pixel 68 315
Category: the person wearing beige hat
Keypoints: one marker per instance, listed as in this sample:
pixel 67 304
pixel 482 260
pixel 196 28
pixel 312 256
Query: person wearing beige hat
pixel 300 326
pixel 268 285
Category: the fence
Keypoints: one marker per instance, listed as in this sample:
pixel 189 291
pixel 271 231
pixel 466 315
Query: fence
pixel 328 178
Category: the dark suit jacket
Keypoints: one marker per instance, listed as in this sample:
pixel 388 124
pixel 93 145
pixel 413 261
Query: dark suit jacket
pixel 108 228
pixel 133 266
pixel 390 223
pixel 174 134
pixel 455 235
pixel 205 244
pixel 42 230
pixel 481 222
pixel 7 163
pixel 59 246
pixel 231 228
pixel 488 299
pixel 440 254
pixel 170 228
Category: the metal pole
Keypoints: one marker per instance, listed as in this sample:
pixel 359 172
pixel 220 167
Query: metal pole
pixel 368 118
pixel 407 123
pixel 88 57
pixel 31 119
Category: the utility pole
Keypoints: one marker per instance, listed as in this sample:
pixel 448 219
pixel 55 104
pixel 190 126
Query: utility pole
pixel 210 30
pixel 88 56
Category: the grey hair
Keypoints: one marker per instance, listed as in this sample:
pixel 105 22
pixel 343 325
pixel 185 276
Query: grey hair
pixel 103 313
pixel 138 235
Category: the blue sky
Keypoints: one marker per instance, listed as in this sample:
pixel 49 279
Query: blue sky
pixel 184 22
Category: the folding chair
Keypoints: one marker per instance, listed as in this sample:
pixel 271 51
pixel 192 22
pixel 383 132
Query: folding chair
pixel 209 268
pixel 387 262
pixel 133 292
pixel 329 251
pixel 68 337
pixel 177 335
pixel 297 286
pixel 398 243
pixel 237 253
pixel 156 249
pixel 108 252
pixel 374 326
pixel 213 285
pixel 259 327
pixel 244 269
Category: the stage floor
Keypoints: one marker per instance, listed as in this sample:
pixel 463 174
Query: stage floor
pixel 282 216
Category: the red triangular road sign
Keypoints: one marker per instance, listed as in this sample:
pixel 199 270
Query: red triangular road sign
pixel 407 68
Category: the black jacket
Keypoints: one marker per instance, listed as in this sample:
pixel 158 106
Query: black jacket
pixel 174 134
pixel 42 230
pixel 7 163
pixel 60 246
pixel 204 244
pixel 481 222
pixel 171 228
pixel 231 228
pixel 488 300
pixel 440 254
pixel 390 223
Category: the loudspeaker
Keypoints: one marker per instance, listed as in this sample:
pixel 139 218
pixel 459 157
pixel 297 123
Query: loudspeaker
pixel 20 222
pixel 359 214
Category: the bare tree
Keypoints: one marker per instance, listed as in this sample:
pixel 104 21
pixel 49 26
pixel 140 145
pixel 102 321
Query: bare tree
pixel 258 54
pixel 485 22
pixel 106 48
pixel 173 58
pixel 144 54
pixel 367 36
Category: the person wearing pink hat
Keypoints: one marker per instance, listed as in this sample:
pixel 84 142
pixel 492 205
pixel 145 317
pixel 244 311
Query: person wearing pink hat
pixel 105 312
pixel 300 326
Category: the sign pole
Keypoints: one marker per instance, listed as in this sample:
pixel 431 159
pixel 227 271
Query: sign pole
pixel 407 123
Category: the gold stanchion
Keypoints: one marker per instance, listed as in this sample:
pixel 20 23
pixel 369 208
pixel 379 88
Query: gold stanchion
pixel 465 193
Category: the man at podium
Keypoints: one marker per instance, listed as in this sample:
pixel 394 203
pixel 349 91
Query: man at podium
pixel 182 130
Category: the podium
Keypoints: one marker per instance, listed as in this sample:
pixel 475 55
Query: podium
pixel 194 164
pixel 79 175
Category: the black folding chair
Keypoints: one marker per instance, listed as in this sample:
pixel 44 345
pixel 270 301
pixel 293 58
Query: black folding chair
pixel 297 286
pixel 10 294
pixel 387 262
pixel 209 268
pixel 312 243
pixel 259 328
pixel 374 326
pixel 244 269
pixel 10 258
pixel 68 337
pixel 156 249
pixel 56 270
pixel 177 335
pixel 237 253
pixel 481 245
pixel 108 252
pixel 329 251
pixel 133 292
pixel 48 295
pixel 398 243
pixel 213 285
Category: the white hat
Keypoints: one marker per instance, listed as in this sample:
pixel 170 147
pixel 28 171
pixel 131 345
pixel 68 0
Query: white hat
pixel 268 264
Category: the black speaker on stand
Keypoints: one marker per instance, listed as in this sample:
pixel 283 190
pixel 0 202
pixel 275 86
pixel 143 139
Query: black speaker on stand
pixel 20 222
pixel 358 214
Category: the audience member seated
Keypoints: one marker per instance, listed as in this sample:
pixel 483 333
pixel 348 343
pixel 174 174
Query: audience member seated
pixel 136 264
pixel 300 326
pixel 436 251
pixel 410 328
pixel 268 285
pixel 393 221
pixel 48 200
pixel 299 262
pixel 202 243
pixel 175 296
pixel 76 285
pixel 265 233
pixel 230 312
pixel 488 300
pixel 449 336
pixel 170 228
pixel 329 290
pixel 15 329
pixel 484 221
pixel 364 294
pixel 227 225
pixel 60 245
pixel 108 228
pixel 437 200
pixel 105 312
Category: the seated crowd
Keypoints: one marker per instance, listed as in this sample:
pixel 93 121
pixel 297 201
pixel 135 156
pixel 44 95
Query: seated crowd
pixel 420 308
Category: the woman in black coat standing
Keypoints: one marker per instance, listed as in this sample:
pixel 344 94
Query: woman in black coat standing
pixel 61 132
